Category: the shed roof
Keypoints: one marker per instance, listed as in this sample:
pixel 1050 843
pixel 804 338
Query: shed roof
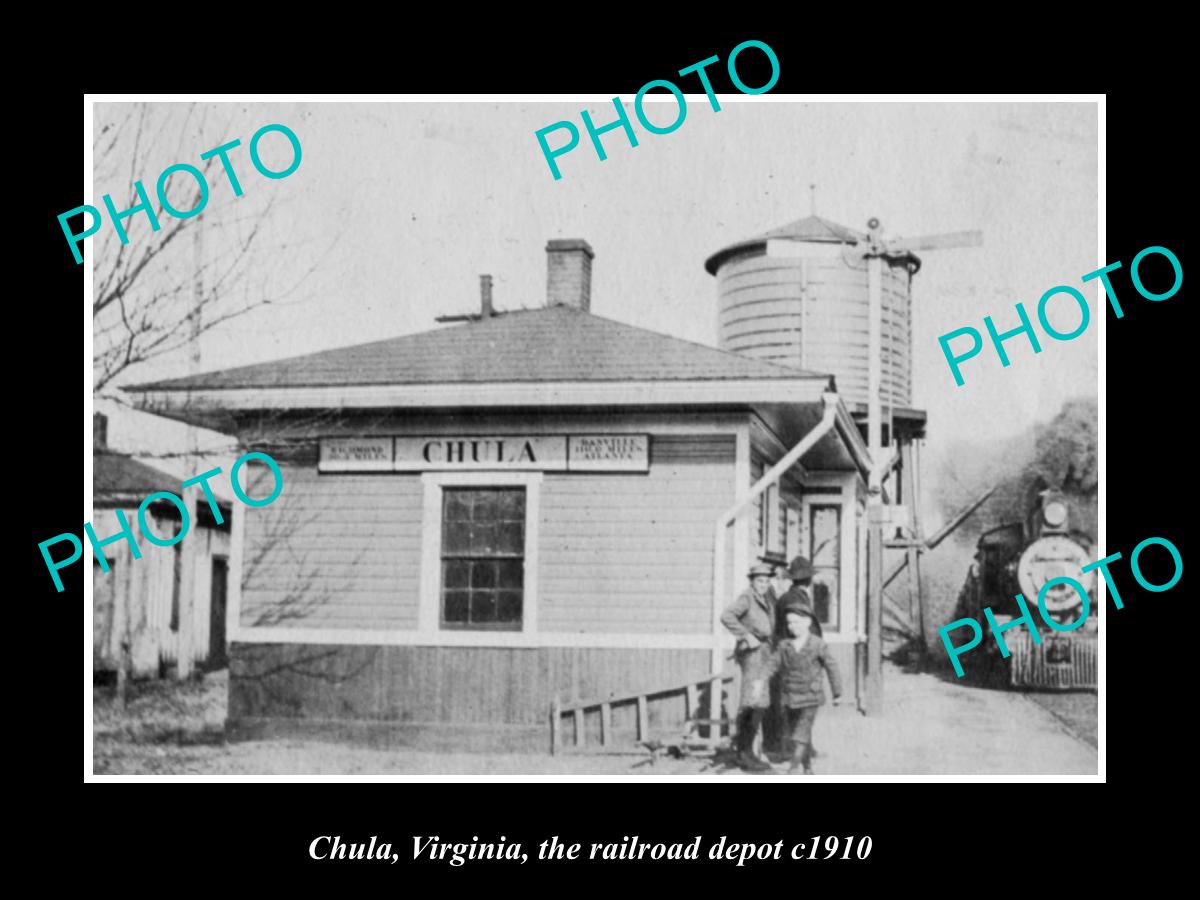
pixel 116 476
pixel 120 480
pixel 552 344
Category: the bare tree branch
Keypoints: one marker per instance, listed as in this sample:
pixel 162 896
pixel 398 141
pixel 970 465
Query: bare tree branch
pixel 145 303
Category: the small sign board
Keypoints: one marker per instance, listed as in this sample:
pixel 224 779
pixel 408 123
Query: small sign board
pixel 371 454
pixel 608 453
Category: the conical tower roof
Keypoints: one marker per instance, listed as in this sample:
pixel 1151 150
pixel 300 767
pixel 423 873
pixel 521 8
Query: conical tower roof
pixel 813 229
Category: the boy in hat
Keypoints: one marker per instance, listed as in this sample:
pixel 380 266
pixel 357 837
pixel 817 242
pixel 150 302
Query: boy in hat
pixel 751 619
pixel 800 574
pixel 800 660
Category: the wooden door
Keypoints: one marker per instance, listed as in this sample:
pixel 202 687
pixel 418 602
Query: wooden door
pixel 217 657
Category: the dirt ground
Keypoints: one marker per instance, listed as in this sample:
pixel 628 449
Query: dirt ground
pixel 930 726
pixel 1076 710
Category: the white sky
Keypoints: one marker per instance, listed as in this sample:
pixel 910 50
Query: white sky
pixel 423 197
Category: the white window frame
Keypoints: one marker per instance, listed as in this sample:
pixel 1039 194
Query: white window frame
pixel 429 609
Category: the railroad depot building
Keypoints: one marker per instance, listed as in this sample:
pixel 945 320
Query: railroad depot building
pixel 534 504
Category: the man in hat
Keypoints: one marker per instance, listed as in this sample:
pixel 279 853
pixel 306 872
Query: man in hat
pixel 781 580
pixel 751 618
pixel 800 571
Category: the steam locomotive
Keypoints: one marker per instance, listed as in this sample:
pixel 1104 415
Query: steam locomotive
pixel 1021 557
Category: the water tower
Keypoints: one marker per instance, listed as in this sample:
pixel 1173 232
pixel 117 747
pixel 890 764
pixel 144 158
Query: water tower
pixel 819 296
pixel 800 296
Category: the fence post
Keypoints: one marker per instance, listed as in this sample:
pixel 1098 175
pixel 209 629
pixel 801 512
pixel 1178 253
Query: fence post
pixel 555 724
pixel 605 723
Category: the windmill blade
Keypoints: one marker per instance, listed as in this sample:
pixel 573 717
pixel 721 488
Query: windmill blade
pixel 938 241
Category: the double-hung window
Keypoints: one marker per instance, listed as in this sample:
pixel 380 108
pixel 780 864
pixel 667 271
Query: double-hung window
pixel 483 558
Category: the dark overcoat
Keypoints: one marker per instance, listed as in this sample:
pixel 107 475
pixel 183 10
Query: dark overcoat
pixel 802 672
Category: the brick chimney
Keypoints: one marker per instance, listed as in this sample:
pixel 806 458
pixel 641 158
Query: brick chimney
pixel 485 297
pixel 569 273
pixel 99 431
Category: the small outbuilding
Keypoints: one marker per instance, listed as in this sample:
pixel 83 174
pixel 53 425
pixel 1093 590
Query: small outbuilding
pixel 136 604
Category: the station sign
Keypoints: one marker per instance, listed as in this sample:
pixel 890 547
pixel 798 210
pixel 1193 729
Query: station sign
pixel 448 453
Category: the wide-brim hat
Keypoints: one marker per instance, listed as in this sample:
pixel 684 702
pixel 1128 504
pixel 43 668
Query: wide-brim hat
pixel 761 569
pixel 800 569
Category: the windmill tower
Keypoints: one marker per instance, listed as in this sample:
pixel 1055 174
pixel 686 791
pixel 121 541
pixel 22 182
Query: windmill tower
pixel 817 295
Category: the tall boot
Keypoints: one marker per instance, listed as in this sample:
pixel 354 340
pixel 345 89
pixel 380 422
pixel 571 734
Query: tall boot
pixel 744 742
pixel 746 758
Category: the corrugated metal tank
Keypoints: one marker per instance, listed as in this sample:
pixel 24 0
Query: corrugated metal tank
pixel 809 311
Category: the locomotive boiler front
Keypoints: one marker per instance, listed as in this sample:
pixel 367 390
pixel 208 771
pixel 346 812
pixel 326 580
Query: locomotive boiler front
pixel 1050 560
pixel 1041 558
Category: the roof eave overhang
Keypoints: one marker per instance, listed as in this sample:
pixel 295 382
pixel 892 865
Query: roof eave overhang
pixel 853 440
pixel 200 404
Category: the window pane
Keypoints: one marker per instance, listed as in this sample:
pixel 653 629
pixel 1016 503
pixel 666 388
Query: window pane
pixel 484 507
pixel 508 607
pixel 511 506
pixel 512 573
pixel 456 538
pixel 458 506
pixel 510 538
pixel 825 596
pixel 483 606
pixel 456 606
pixel 483 574
pixel 825 522
pixel 456 574
pixel 483 539
pixel 825 527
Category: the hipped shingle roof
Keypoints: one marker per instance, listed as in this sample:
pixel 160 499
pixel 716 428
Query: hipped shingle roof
pixel 553 344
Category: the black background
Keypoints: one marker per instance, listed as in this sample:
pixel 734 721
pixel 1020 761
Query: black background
pixel 930 836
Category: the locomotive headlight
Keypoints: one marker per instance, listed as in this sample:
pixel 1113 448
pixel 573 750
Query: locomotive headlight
pixel 1055 513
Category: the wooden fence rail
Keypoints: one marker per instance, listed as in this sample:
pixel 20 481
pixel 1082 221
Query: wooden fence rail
pixel 689 692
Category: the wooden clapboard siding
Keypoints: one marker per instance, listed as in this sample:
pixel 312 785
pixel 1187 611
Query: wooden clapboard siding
pixel 103 610
pixel 450 685
pixel 335 551
pixel 205 543
pixel 633 553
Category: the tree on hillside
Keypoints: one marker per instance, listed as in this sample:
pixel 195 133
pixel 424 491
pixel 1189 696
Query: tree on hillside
pixel 1061 453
